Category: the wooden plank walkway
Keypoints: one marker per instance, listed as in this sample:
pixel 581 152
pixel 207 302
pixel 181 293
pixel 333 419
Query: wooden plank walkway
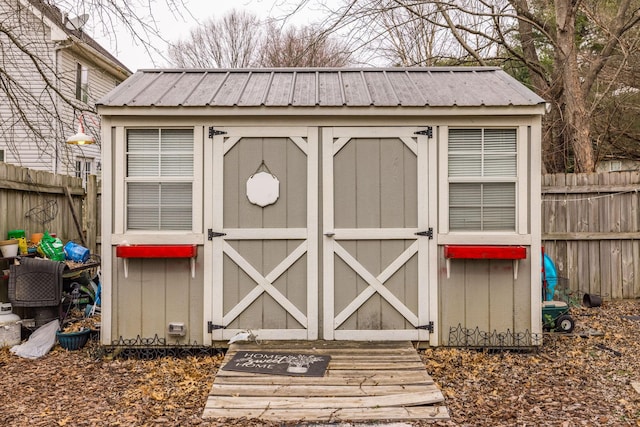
pixel 365 381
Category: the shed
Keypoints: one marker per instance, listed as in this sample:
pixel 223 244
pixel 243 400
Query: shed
pixel 336 204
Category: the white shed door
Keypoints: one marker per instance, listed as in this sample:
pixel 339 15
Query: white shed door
pixel 264 236
pixel 375 224
pixel 264 272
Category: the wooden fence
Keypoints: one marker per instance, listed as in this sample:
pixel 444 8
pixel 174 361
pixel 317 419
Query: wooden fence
pixel 38 201
pixel 590 222
pixel 591 230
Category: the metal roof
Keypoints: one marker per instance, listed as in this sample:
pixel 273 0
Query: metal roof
pixel 322 87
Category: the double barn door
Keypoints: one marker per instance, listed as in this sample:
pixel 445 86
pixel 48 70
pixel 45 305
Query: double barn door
pixel 340 252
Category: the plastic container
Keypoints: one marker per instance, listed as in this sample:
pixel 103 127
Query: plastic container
pixel 73 340
pixel 9 248
pixel 10 329
pixel 76 252
pixel 591 300
pixel 16 234
pixel 23 248
pixel 35 238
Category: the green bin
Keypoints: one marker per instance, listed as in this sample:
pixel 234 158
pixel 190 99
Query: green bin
pixel 16 234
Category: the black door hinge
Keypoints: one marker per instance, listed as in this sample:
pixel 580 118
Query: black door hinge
pixel 211 327
pixel 428 131
pixel 428 327
pixel 211 234
pixel 213 132
pixel 428 233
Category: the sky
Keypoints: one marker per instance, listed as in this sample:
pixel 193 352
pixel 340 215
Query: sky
pixel 173 28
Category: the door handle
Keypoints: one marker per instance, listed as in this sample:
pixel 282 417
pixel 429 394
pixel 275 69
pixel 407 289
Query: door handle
pixel 329 234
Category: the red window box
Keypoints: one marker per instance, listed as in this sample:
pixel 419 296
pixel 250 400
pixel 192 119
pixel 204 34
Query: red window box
pixel 485 252
pixel 514 253
pixel 157 251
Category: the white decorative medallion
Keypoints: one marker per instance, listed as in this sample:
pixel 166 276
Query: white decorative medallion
pixel 263 189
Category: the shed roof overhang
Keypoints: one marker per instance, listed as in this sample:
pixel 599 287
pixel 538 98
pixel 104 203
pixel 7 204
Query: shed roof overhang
pixel 320 91
pixel 531 110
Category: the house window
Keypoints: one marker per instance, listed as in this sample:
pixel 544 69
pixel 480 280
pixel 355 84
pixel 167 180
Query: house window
pixel 615 166
pixel 1 155
pixel 482 179
pixel 82 83
pixel 159 179
pixel 84 168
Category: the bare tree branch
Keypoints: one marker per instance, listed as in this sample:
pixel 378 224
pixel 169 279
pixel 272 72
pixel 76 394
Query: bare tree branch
pixel 37 88
pixel 240 39
pixel 545 42
pixel 230 42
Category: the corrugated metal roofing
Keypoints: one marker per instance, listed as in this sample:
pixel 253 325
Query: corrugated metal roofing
pixel 305 87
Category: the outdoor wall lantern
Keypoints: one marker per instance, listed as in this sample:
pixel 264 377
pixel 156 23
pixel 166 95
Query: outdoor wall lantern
pixel 81 138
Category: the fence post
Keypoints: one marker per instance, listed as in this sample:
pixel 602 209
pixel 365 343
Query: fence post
pixel 91 212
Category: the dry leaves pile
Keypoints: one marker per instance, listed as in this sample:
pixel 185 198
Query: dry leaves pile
pixel 572 381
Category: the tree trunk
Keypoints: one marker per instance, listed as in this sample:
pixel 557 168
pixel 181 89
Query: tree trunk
pixel 552 157
pixel 576 133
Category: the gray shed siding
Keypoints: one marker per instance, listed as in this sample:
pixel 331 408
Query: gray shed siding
pixel 156 292
pixel 483 294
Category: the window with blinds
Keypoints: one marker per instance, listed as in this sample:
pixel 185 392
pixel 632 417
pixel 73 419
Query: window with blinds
pixel 159 179
pixel 482 179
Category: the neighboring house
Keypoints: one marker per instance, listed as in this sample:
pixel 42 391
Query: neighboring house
pixel 51 73
pixel 336 204
pixel 617 165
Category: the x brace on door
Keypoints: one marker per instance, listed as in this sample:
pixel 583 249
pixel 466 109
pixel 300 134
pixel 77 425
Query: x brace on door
pixel 376 284
pixel 265 284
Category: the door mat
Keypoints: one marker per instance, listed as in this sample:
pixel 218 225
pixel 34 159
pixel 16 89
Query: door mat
pixel 276 363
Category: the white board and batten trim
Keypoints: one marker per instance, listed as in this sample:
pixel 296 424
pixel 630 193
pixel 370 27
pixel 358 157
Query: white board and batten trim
pixel 106 214
pixel 535 213
pixel 428 165
pixel 213 221
pixel 522 201
pixel 313 219
pixel 328 294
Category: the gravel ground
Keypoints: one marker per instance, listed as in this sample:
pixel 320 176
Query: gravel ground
pixel 573 380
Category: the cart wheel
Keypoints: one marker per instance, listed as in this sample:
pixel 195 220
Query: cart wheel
pixel 565 324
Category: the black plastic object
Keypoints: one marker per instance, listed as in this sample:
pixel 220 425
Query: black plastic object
pixel 591 300
pixel 35 283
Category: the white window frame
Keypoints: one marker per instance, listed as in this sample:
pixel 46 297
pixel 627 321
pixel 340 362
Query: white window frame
pixel 120 231
pixel 522 226
pixel 82 82
pixel 615 166
pixel 83 168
